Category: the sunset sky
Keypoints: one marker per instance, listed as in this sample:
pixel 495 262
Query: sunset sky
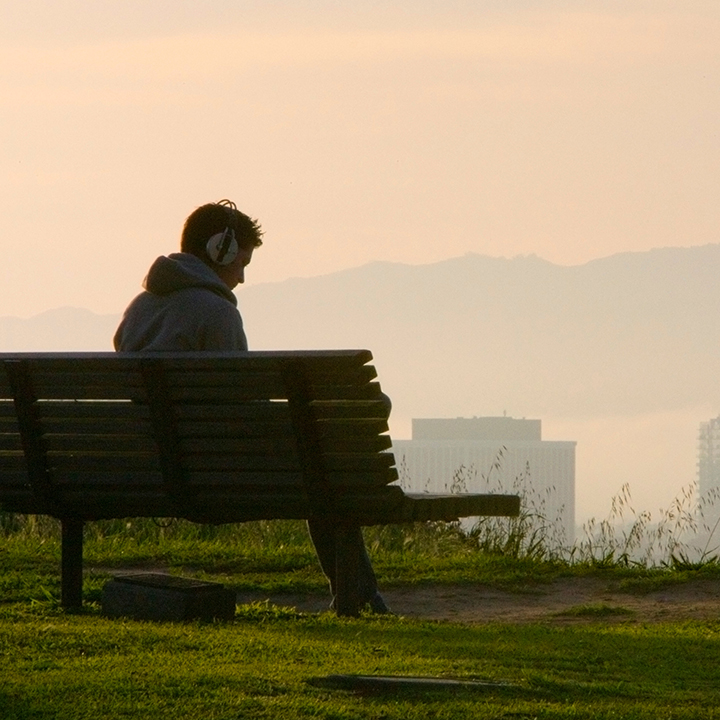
pixel 355 132
pixel 361 131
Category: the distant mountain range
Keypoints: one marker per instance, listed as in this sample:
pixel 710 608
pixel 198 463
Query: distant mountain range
pixel 474 335
pixel 64 329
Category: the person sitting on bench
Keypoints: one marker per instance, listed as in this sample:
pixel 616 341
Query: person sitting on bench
pixel 188 305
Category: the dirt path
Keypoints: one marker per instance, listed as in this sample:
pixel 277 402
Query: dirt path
pixel 569 600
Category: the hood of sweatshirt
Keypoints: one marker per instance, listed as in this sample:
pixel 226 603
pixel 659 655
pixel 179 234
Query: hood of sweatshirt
pixel 179 271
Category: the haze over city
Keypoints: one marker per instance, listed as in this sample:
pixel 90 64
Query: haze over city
pixel 395 132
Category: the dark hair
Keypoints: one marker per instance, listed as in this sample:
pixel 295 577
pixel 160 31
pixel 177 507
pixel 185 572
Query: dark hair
pixel 213 218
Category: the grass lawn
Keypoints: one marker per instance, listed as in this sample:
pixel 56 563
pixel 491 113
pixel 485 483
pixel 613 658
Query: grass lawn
pixel 84 666
pixel 57 665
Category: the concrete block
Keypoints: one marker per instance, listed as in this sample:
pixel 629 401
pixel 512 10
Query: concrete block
pixel 156 596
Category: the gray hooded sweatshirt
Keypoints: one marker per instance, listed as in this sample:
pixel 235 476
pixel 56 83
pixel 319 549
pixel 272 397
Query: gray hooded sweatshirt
pixel 185 306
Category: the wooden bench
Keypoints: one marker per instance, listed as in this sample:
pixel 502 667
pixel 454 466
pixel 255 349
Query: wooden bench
pixel 210 437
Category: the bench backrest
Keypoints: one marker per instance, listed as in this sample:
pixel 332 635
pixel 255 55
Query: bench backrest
pixel 215 437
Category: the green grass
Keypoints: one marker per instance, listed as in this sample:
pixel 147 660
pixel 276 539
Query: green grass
pixel 276 557
pixel 265 556
pixel 57 665
pixel 262 664
pixel 596 610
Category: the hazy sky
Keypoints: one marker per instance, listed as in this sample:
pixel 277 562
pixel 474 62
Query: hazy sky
pixel 404 131
pixel 360 131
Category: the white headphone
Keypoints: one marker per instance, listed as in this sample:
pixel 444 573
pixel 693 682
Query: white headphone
pixel 222 248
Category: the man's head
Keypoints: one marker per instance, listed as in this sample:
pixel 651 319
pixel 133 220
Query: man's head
pixel 223 238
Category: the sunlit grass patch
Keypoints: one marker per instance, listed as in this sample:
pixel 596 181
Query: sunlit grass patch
pixel 84 666
pixel 595 610
pixel 61 666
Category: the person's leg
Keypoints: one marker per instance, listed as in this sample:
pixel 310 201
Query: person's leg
pixel 323 537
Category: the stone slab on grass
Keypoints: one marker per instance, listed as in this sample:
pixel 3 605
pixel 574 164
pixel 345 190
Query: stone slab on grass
pixel 156 596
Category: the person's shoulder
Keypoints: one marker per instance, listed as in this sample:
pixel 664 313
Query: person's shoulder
pixel 203 298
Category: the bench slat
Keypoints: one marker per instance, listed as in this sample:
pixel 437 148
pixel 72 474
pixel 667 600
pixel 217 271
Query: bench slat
pixel 244 391
pixel 241 480
pixel 358 461
pixel 140 469
pixel 344 479
pixel 329 430
pixel 11 459
pixel 97 505
pixel 10 443
pixel 348 411
pixel 230 413
pixel 229 461
pixel 316 362
pixel 215 508
pixel 13 476
pixel 344 429
pixel 21 501
pixel 358 375
pixel 238 481
pixel 119 476
pixel 237 484
pixel 259 429
pixel 262 445
pixel 62 409
pixel 213 395
pixel 44 378
pixel 97 426
pixel 355 443
pixel 128 382
pixel 332 393
pixel 452 507
pixel 242 462
pixel 99 462
pixel 90 393
pixel 352 377
pixel 102 462
pixel 7 407
pixel 265 444
pixel 90 443
pixel 196 360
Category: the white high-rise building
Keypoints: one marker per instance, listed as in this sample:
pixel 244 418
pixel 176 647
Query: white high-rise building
pixel 708 467
pixel 484 454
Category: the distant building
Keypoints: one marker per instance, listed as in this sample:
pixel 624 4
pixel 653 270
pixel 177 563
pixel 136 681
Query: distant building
pixel 492 453
pixel 708 467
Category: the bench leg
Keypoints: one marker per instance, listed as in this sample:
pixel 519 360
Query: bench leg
pixel 347 570
pixel 72 564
